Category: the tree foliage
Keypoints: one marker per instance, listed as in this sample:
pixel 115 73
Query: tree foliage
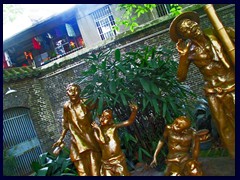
pixel 146 76
pixel 132 12
pixel 10 12
pixel 175 9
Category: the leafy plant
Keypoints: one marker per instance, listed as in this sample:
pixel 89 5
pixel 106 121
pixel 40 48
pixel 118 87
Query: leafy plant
pixel 9 164
pixel 146 76
pixel 51 165
pixel 131 13
pixel 175 9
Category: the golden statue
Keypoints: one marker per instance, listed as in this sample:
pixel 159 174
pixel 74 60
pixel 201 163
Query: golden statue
pixel 77 118
pixel 113 159
pixel 183 149
pixel 205 50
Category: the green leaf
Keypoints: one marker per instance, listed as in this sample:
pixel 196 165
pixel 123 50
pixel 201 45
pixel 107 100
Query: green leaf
pixel 140 155
pixel 68 174
pixel 116 28
pixel 65 164
pixel 42 158
pixel 104 64
pixel 131 28
pixel 145 102
pixel 173 105
pixel 36 166
pixel 121 68
pixel 164 108
pixel 155 105
pixel 168 117
pixel 117 55
pixel 42 172
pixel 123 99
pixel 145 85
pixel 100 105
pixel 154 88
pixel 116 100
pixel 146 152
pixel 112 87
pixel 129 137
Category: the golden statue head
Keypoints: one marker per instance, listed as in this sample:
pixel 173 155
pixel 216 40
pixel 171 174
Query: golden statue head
pixel 106 117
pixel 181 123
pixel 73 91
pixel 173 29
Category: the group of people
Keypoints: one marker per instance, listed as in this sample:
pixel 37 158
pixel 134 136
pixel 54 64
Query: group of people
pixel 95 150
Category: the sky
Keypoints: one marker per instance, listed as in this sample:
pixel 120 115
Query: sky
pixel 33 11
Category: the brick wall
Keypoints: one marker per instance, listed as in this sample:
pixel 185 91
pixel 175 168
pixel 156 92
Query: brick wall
pixel 46 95
pixel 31 94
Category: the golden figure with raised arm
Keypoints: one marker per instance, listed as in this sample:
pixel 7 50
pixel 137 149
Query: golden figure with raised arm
pixel 183 149
pixel 77 118
pixel 204 49
pixel 113 159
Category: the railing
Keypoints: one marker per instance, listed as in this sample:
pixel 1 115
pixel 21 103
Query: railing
pixel 20 139
pixel 60 56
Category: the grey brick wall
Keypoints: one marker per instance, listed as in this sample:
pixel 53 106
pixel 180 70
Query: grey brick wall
pixel 31 94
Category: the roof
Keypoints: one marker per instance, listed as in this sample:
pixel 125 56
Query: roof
pixel 13 74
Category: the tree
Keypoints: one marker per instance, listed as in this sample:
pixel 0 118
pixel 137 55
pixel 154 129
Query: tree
pixel 10 12
pixel 132 12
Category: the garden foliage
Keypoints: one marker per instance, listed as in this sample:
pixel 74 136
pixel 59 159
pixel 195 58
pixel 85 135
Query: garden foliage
pixel 146 76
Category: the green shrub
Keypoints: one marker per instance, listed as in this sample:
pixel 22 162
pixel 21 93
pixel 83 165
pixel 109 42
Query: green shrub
pixel 51 165
pixel 146 76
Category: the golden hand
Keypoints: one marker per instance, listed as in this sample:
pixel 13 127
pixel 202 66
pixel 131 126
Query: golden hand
pixel 133 106
pixel 95 125
pixel 58 143
pixel 153 163
pixel 182 47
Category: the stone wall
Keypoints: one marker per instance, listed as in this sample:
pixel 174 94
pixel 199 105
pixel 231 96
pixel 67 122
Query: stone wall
pixel 31 94
pixel 46 95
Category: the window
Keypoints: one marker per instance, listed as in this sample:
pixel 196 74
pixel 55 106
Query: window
pixel 163 9
pixel 104 22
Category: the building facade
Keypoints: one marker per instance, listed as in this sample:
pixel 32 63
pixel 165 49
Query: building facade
pixel 84 25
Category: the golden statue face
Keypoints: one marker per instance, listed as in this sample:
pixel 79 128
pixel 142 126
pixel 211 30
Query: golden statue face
pixel 180 125
pixel 106 118
pixel 189 29
pixel 73 93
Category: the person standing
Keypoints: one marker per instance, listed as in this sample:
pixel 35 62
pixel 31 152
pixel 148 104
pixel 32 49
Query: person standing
pixel 77 118
pixel 204 49
pixel 113 159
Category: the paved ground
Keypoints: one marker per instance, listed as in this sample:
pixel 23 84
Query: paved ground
pixel 220 166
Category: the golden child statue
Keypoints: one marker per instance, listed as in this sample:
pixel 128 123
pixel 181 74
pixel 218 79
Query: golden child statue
pixel 77 118
pixel 204 49
pixel 183 149
pixel 113 159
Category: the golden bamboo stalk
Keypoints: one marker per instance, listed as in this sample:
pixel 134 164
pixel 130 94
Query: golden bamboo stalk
pixel 222 33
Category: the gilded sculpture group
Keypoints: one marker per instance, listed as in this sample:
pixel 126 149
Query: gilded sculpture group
pixel 95 150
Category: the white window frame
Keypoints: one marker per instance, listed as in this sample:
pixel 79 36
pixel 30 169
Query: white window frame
pixel 104 22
